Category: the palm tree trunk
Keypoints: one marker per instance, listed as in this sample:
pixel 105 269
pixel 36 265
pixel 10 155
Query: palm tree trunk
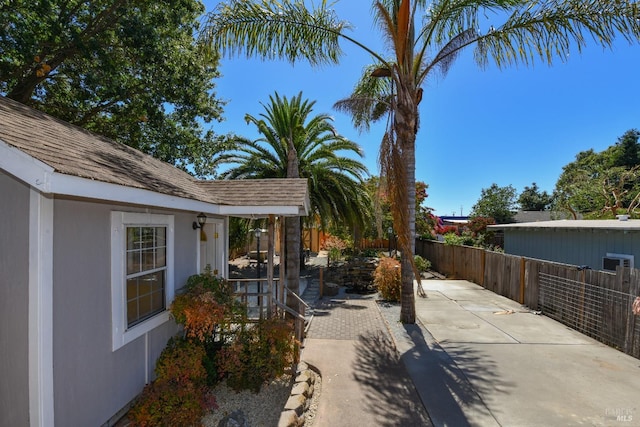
pixel 406 126
pixel 407 296
pixel 292 226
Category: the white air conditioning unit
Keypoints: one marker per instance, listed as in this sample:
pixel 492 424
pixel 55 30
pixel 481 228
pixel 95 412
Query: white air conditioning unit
pixel 611 261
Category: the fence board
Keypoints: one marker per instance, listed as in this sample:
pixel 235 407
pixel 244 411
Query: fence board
pixel 532 284
pixel 596 303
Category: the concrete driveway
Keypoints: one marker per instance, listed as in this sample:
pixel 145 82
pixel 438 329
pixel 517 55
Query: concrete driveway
pixel 479 359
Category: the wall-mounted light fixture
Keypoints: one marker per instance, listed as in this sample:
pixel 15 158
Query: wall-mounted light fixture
pixel 202 219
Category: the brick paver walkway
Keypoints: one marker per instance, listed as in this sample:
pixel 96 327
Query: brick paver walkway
pixel 364 381
pixel 345 317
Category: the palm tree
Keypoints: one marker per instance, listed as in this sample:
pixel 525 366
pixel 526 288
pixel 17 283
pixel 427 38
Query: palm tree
pixel 524 31
pixel 334 179
pixel 295 144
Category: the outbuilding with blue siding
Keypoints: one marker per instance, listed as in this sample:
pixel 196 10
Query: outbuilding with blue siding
pixel 597 244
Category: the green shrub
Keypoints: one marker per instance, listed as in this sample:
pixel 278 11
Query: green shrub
pixel 258 354
pixel 421 264
pixel 369 253
pixel 466 238
pixel 388 279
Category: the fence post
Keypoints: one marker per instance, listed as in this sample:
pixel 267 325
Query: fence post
pixel 483 261
pixel 522 270
pixel 453 261
pixel 581 320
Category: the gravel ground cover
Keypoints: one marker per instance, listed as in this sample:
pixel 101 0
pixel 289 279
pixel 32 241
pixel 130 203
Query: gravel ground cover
pixel 260 409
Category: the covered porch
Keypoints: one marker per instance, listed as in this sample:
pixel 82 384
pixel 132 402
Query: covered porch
pixel 271 200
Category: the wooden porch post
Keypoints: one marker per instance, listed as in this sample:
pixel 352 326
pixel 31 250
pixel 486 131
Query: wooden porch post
pixel 282 262
pixel 270 253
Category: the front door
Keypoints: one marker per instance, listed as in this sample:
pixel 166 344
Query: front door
pixel 211 248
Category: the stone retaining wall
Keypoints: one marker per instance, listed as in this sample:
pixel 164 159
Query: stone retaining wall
pixel 293 414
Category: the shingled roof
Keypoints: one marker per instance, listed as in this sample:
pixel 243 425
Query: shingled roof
pixel 60 150
pixel 259 192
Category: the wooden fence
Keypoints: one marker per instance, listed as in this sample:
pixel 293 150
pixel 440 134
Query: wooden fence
pixel 596 303
pixel 374 244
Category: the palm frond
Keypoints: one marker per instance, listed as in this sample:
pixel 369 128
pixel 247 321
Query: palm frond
pixel 548 30
pixel 370 100
pixel 270 30
pixel 447 55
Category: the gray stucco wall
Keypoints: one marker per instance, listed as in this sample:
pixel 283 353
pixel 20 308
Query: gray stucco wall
pixel 14 302
pixel 572 246
pixel 91 382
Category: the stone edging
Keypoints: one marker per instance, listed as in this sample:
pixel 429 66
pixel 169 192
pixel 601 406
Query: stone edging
pixel 293 414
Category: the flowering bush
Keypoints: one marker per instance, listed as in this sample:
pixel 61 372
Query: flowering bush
pixel 447 229
pixel 478 225
pixel 334 245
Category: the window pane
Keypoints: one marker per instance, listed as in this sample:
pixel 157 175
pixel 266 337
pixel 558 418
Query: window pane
pixel 145 297
pixel 133 236
pixel 133 262
pixel 132 289
pixel 157 301
pixel 132 312
pixel 148 234
pixel 145 286
pixel 161 236
pixel 144 304
pixel 158 281
pixel 148 260
pixel 161 257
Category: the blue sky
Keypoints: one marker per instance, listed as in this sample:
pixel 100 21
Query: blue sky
pixel 513 126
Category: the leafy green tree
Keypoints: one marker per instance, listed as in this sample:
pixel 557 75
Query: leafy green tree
pixel 295 144
pixel 391 88
pixel 626 150
pixel 496 202
pixel 575 191
pixel 532 199
pixel 603 183
pixel 129 70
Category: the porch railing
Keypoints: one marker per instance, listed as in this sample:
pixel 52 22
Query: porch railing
pixel 263 302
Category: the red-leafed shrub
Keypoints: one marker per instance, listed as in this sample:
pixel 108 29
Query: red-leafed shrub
pixel 478 225
pixel 179 395
pixel 207 307
pixel 258 354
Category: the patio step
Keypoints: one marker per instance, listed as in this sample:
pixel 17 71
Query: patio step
pixel 312 292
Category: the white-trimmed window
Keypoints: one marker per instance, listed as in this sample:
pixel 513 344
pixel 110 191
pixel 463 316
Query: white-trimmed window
pixel 141 273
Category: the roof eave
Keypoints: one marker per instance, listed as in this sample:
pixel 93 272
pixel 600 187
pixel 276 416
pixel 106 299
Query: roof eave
pixel 26 168
pixel 262 211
